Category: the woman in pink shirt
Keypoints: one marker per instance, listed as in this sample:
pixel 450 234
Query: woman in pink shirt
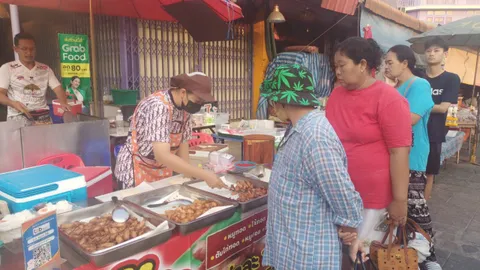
pixel 373 122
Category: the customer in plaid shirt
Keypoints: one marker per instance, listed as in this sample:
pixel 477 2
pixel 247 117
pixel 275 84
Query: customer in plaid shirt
pixel 310 194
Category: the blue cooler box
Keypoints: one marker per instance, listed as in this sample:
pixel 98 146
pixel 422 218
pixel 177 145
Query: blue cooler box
pixel 23 189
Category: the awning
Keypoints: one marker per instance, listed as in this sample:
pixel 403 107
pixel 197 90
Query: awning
pixel 382 30
pixel 145 9
pixel 462 63
pixel 346 6
pixel 383 9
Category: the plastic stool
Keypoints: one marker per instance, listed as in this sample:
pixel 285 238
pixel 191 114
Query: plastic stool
pixel 201 139
pixel 65 161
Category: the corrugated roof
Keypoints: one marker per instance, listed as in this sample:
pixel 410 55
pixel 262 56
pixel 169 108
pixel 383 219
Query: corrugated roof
pixel 383 9
pixel 346 6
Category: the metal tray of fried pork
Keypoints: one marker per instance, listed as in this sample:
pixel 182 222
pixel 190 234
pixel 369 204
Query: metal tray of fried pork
pixel 232 180
pixel 93 226
pixel 188 208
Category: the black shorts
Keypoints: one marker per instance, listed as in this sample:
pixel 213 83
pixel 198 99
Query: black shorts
pixel 433 164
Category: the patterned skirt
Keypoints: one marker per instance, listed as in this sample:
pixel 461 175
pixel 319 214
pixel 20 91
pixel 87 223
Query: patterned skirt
pixel 417 205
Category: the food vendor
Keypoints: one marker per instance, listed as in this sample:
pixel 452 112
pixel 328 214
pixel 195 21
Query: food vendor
pixel 310 195
pixel 160 129
pixel 24 83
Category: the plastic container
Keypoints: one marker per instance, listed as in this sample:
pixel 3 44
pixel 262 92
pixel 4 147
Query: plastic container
pixel 23 189
pixel 221 119
pixel 99 180
pixel 76 107
pixel 124 97
pixel 119 125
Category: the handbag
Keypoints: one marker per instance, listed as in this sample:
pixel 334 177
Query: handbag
pixel 396 255
pixel 359 263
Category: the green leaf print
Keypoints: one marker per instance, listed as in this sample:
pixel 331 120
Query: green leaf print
pixel 298 86
pixel 302 74
pixel 304 102
pixel 296 66
pixel 309 88
pixel 289 95
pixel 311 81
pixel 274 98
pixel 283 76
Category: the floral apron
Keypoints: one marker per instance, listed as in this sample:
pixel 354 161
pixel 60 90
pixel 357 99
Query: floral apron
pixel 148 170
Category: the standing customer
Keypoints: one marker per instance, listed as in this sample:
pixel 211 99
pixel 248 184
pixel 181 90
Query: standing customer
pixel 445 87
pixel 310 192
pixel 373 122
pixel 24 83
pixel 400 64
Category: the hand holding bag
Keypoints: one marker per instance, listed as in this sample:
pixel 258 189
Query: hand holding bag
pixel 393 256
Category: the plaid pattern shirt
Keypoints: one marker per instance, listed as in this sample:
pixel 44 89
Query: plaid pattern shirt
pixel 310 194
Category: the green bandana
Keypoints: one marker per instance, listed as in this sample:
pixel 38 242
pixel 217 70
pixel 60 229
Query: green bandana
pixel 290 84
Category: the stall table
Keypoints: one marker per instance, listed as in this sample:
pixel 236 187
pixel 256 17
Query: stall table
pixel 452 147
pixel 200 128
pixel 234 243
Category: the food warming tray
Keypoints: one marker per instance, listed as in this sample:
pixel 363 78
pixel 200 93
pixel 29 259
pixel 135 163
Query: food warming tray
pixel 122 250
pixel 185 228
pixel 232 179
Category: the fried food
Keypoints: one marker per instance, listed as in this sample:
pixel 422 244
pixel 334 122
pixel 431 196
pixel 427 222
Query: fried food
pixel 102 232
pixel 187 213
pixel 246 191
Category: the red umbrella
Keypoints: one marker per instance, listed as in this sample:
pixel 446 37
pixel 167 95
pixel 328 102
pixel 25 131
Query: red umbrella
pixel 205 20
pixel 144 9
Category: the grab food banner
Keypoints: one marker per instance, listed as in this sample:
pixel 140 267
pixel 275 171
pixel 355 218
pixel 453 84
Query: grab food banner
pixel 74 59
pixel 233 244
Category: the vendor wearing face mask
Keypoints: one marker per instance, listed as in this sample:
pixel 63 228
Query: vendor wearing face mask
pixel 159 133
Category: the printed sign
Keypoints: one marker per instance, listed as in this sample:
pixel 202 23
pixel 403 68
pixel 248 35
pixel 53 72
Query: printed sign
pixel 233 239
pixel 40 241
pixel 75 60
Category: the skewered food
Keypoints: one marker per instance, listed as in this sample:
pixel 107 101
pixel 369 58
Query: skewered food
pixel 246 191
pixel 187 213
pixel 102 232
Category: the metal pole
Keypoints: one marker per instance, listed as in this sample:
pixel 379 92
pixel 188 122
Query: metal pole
pixel 473 154
pixel 15 22
pixel 96 102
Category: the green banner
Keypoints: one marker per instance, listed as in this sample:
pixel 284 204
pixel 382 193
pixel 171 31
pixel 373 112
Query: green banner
pixel 75 61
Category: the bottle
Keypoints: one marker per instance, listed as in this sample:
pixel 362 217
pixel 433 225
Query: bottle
pixel 119 122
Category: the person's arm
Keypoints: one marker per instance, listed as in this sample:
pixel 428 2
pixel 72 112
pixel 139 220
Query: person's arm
pixel 184 150
pixel 326 167
pixel 164 156
pixel 420 100
pixel 396 125
pixel 449 95
pixel 399 174
pixel 441 108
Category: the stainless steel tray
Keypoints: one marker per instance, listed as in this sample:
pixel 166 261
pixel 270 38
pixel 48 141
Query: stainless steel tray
pixel 186 228
pixel 233 178
pixel 122 250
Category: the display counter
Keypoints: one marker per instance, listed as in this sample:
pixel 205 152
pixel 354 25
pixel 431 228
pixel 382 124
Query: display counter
pixel 235 242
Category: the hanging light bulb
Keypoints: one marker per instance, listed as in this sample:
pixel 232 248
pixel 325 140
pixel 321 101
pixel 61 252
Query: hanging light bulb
pixel 276 16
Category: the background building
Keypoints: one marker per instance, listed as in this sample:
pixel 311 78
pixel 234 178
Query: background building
pixel 440 11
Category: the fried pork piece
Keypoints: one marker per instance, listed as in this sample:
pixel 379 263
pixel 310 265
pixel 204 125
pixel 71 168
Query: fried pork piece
pixel 102 232
pixel 246 191
pixel 187 213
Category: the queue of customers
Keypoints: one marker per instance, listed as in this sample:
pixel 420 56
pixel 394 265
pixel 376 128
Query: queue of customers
pixel 391 139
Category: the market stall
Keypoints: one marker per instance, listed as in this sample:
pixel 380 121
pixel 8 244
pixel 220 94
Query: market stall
pixel 175 223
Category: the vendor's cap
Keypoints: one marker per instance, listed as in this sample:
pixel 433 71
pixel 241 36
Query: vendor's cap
pixel 196 82
pixel 291 84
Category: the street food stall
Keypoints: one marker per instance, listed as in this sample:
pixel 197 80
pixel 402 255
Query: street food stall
pixel 175 223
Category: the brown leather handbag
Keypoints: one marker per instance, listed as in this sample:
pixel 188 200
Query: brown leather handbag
pixel 393 256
